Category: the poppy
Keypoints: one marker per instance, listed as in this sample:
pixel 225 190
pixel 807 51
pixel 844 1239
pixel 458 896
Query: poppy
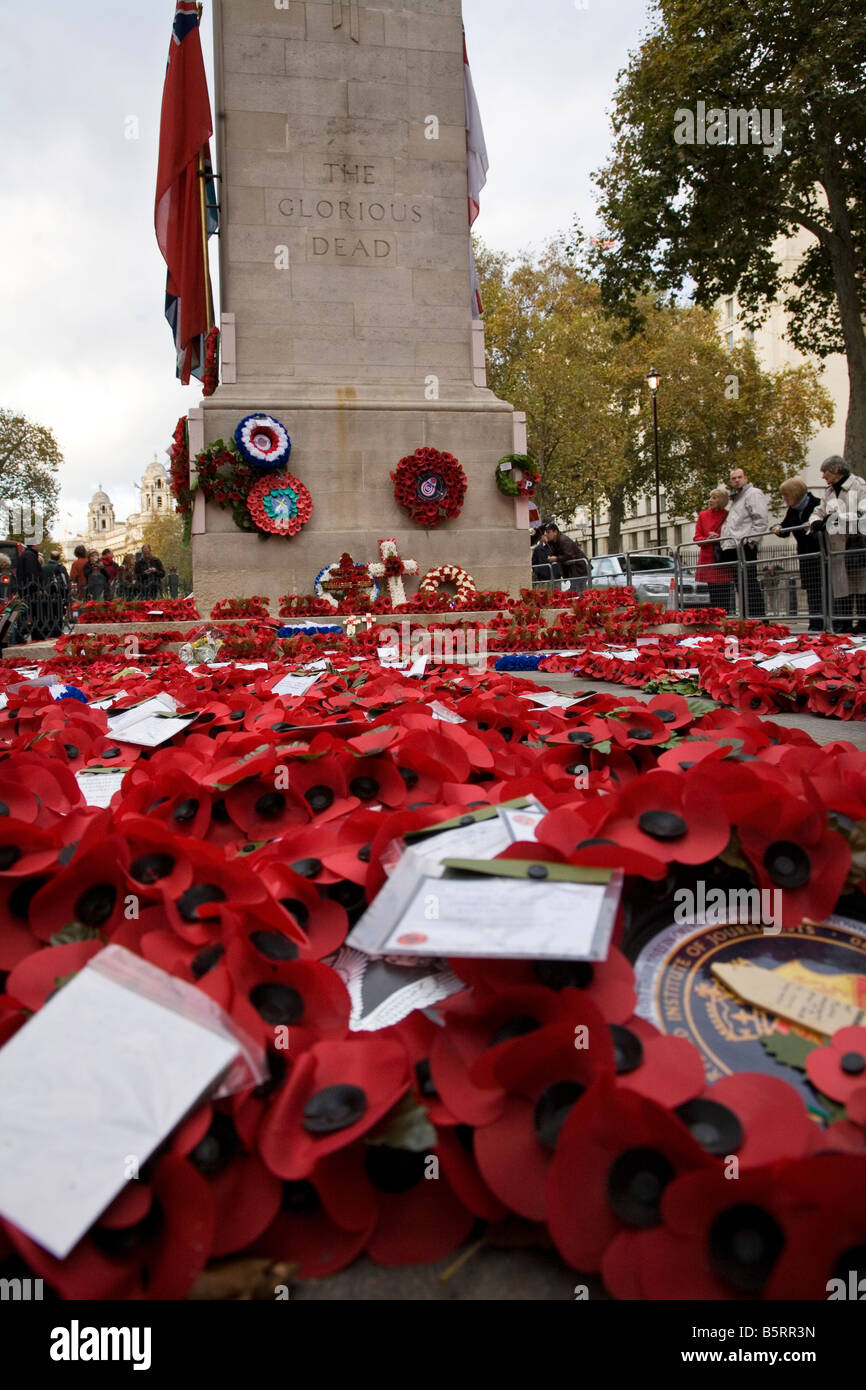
pixel 668 817
pixel 609 984
pixel 90 891
pixel 722 1239
pixel 797 854
pixel 838 1070
pixel 333 1094
pixel 157 1256
pixel 246 1197
pixel 315 1226
pixel 543 1078
pixel 617 1153
pixel 276 996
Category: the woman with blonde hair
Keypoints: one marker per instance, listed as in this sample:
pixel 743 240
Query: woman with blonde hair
pixel 708 529
pixel 801 503
pixel 841 514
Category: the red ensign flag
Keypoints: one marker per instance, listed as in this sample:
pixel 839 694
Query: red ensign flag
pixel 184 133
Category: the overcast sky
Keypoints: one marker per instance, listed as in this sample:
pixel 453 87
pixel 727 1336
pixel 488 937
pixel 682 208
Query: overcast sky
pixel 84 345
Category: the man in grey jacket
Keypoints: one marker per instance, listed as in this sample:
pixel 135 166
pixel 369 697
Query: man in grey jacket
pixel 748 516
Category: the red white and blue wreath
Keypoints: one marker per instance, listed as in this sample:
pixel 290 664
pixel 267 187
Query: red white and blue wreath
pixel 263 441
pixel 348 579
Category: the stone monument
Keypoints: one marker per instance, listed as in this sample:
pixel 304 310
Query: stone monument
pixel 345 288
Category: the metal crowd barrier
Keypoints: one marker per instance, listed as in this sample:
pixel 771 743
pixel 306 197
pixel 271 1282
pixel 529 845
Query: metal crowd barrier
pixel 765 576
pixel 47 613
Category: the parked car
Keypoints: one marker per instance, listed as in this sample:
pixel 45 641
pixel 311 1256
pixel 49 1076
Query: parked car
pixel 651 576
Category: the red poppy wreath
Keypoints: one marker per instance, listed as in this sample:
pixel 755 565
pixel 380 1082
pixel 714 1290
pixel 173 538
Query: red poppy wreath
pixel 430 486
pixel 279 504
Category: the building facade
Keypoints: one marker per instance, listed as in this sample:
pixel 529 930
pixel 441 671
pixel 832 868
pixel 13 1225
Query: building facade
pixel 105 532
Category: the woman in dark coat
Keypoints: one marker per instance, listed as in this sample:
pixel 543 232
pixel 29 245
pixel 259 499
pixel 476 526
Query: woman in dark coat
pixel 801 503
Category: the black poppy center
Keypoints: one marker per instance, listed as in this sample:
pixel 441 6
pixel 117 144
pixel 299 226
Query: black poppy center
pixel 9 855
pixel 564 974
pixel 299 910
pixel 334 1108
pixel 580 736
pixel 745 1243
pixel 640 733
pixel 270 806
pixel 364 788
pixel 667 716
pixel 96 904
pixel 662 825
pixel 788 864
pixel 319 798
pixel 424 1079
pixel 393 1170
pixel 216 1150
pixel 23 894
pixel 196 897
pixel 627 1049
pixel 516 1027
pixel 853 1063
pixel 274 945
pixel 553 1108
pixel 149 868
pixel 123 1241
pixel 186 810
pixel 276 1003
pixel 716 1128
pixel 4 809
pixel 205 959
pixel 409 775
pixel 307 868
pixel 300 1198
pixel 635 1184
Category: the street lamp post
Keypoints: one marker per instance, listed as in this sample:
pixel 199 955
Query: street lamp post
pixel 652 382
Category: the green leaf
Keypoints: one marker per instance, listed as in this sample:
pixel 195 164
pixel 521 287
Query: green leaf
pixel 73 931
pixel 603 747
pixel 789 1048
pixel 407 1126
pixel 700 706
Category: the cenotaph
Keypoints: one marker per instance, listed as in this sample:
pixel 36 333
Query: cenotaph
pixel 345 289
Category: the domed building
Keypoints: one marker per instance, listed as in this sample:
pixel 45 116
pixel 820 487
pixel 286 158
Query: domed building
pixel 104 531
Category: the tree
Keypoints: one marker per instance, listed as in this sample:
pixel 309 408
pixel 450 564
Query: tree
pixel 164 534
pixel 546 337
pixel 29 460
pixel 713 213
pixel 557 354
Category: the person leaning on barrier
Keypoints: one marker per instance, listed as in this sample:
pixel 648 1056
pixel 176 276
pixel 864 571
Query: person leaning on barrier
pixel 718 578
pixel 840 514
pixel 574 562
pixel 748 516
pixel 801 503
pixel 545 565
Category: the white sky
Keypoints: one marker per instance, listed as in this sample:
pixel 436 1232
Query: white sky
pixel 85 347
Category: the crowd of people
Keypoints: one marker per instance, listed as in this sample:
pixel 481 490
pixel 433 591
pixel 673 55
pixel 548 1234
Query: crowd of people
pixel 742 515
pixel 736 522
pixel 51 592
pixel 96 577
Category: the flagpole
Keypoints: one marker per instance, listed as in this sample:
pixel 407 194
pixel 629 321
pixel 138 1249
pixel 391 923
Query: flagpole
pixel 202 191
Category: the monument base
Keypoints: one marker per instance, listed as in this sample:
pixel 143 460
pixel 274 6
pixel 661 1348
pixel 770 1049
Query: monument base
pixel 344 450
